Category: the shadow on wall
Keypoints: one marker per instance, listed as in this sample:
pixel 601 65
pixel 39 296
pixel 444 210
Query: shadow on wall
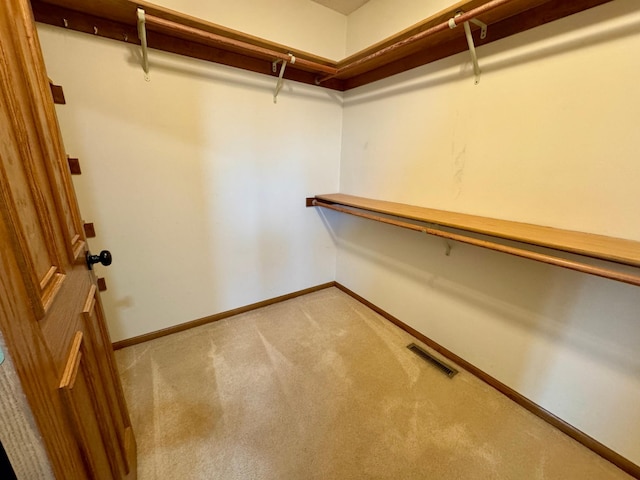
pixel 515 50
pixel 224 75
pixel 484 293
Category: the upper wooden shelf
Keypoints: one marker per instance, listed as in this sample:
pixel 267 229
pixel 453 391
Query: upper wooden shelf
pixel 597 246
pixel 418 45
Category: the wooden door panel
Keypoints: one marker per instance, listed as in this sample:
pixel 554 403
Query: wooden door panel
pixel 32 360
pixel 42 149
pixel 46 137
pixel 113 396
pixel 64 317
pixel 64 199
pixel 80 389
pixel 26 204
pixel 60 346
pixel 74 240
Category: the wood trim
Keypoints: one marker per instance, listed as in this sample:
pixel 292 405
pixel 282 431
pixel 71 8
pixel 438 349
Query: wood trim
pixel 74 166
pixel 125 12
pixel 398 53
pixel 119 30
pixel 73 362
pixel 131 450
pixel 52 289
pixel 421 43
pixel 579 436
pixel 509 19
pixel 214 318
pixel 209 38
pixel 89 230
pixel 57 94
pixel 441 28
pixel 89 302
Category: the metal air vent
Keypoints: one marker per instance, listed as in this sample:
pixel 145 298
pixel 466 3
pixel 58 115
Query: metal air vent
pixel 448 371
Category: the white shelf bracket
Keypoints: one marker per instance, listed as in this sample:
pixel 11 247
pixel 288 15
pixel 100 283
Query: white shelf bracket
pixel 142 34
pixel 472 47
pixel 274 69
pixel 483 27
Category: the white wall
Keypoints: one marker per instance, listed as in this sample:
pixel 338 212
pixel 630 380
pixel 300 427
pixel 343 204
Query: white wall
pixel 549 136
pixel 196 180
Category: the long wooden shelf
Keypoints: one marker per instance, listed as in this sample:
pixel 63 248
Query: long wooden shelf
pixel 602 247
pixel 116 19
pixel 511 18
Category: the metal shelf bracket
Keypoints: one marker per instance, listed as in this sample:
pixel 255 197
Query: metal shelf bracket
pixel 472 48
pixel 142 34
pixel 274 69
pixel 483 27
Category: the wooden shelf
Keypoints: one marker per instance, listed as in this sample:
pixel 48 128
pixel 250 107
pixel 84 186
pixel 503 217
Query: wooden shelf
pixel 513 17
pixel 116 19
pixel 597 246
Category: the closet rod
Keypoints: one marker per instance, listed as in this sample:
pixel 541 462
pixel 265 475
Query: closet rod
pixel 163 26
pixel 441 27
pixel 540 257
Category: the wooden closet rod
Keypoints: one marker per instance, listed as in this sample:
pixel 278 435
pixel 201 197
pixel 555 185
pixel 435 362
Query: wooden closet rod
pixel 167 26
pixel 540 257
pixel 441 27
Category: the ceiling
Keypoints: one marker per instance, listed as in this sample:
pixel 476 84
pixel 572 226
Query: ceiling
pixel 342 6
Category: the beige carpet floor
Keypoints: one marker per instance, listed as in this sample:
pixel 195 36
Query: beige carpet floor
pixel 321 387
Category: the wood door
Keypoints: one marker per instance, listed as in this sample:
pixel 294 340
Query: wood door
pixel 50 311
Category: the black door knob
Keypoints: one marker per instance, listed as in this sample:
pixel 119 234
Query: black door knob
pixel 104 258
